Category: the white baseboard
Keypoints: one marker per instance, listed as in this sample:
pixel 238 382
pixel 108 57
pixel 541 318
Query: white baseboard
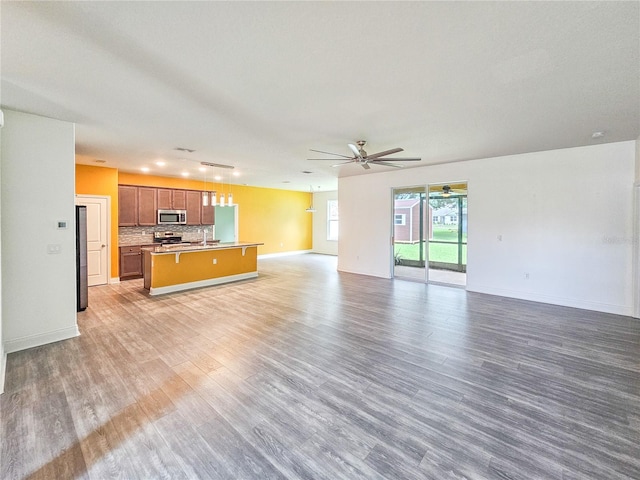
pixel 283 254
pixel 3 367
pixel 626 310
pixel 114 280
pixel 202 283
pixel 31 341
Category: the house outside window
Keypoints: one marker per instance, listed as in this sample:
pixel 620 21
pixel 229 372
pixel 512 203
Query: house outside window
pixel 399 219
pixel 332 220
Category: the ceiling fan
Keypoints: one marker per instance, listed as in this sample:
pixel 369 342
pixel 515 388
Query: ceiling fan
pixel 363 158
pixel 447 191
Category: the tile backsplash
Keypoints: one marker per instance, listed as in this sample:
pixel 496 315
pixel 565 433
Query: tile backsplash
pixel 144 235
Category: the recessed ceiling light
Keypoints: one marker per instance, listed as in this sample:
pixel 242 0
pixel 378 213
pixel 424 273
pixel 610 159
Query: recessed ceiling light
pixel 597 134
pixel 161 163
pixel 145 169
pixel 185 174
pixel 202 169
pixel 218 177
pixel 236 174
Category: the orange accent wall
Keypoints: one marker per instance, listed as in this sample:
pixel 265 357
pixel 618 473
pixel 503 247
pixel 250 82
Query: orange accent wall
pixel 274 217
pixel 102 181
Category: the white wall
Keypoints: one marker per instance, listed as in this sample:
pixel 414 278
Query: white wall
pixel 37 191
pixel 565 217
pixel 320 224
pixel 3 355
pixel 636 235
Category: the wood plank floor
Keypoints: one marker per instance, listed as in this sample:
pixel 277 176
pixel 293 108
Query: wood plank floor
pixel 312 374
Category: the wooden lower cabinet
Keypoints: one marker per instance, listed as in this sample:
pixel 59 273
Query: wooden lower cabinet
pixel 130 262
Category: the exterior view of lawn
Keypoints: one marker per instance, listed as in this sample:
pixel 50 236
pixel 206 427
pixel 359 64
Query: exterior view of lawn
pixel 438 252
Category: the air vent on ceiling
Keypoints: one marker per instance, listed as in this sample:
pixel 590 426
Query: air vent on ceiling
pixel 182 149
pixel 218 165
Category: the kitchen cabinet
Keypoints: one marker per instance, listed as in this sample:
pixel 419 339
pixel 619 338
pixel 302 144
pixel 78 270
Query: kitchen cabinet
pixel 208 211
pixel 194 207
pixel 127 206
pixel 137 206
pixel 171 199
pixel 147 206
pixel 130 262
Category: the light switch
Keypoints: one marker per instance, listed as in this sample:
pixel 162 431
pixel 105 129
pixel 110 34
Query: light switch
pixel 54 248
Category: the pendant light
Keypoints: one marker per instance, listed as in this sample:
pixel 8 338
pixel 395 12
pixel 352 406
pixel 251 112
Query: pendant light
pixel 311 209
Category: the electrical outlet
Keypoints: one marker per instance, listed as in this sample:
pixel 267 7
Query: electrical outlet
pixel 526 275
pixel 215 261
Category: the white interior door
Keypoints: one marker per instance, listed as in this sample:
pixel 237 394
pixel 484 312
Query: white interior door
pixel 97 238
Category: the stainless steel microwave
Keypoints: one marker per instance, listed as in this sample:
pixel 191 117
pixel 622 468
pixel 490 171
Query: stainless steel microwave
pixel 172 217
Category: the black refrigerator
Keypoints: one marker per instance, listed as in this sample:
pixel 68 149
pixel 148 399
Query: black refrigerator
pixel 82 286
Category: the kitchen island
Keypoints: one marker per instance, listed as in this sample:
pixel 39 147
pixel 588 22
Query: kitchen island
pixel 172 268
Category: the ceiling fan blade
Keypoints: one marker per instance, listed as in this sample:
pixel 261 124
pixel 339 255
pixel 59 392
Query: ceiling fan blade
pixel 355 150
pixel 380 162
pixel 343 163
pixel 329 153
pixel 365 165
pixel 331 159
pixel 412 159
pixel 386 152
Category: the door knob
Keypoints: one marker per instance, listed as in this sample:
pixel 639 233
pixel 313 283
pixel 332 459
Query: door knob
pixel 102 246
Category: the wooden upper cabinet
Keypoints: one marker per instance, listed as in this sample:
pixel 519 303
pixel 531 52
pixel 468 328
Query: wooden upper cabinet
pixel 138 206
pixel 208 212
pixel 147 206
pixel 170 199
pixel 194 207
pixel 179 200
pixel 127 206
pixel 164 198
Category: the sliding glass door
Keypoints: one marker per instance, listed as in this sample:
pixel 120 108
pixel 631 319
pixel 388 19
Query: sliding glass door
pixel 410 231
pixel 448 233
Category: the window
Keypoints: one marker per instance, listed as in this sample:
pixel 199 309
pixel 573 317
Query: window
pixel 332 220
pixel 399 219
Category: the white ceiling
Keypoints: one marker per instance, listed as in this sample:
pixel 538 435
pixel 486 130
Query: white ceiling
pixel 258 84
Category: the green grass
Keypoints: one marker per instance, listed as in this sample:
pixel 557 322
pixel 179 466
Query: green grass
pixel 447 233
pixel 438 252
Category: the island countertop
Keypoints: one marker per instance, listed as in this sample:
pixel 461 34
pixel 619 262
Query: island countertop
pixel 186 247
pixel 172 268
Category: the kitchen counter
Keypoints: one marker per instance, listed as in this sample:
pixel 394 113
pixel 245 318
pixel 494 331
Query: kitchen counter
pixel 173 268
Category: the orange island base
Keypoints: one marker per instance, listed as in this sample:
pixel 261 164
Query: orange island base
pixel 181 267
